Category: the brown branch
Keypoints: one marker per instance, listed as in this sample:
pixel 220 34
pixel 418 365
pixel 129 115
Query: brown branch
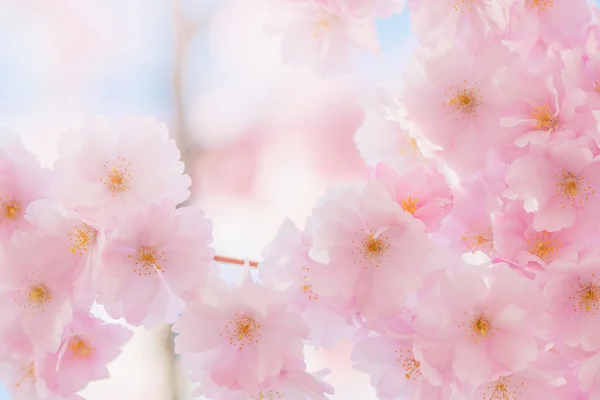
pixel 236 261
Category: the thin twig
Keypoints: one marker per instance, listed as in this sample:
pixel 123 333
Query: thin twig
pixel 236 261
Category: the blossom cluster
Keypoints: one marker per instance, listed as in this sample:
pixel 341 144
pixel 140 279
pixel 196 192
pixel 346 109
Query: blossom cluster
pixel 465 267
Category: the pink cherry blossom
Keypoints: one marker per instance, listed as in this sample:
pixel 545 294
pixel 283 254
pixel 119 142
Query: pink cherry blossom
pixel 22 180
pixel 371 252
pixel 481 326
pixel 287 266
pixel 327 35
pixel 422 192
pixel 558 185
pixel 87 346
pixel 36 290
pixel 247 337
pixel 458 108
pixel 158 254
pixel 21 375
pixel 107 172
pixel 573 292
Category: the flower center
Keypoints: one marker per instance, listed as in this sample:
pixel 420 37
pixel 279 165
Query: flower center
pixel 28 372
pixel 82 238
pixel 463 100
pixel 373 247
pixel 242 331
pixel 587 297
pixel 571 187
pixel 410 365
pixel 463 5
pixel 409 205
pixel 504 389
pixel 322 23
pixel 544 118
pixel 147 261
pixel 11 209
pixel 478 239
pixel 269 395
pixel 480 326
pixel 80 348
pixel 118 177
pixel 541 5
pixel 544 245
pixel 39 295
pixel 306 287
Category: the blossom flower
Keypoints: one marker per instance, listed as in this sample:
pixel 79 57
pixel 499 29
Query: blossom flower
pixel 21 375
pixel 327 35
pixel 87 346
pixel 481 327
pixel 158 253
pixel 422 192
pixel 289 384
pixel 458 108
pixel 573 292
pixel 557 184
pixel 36 291
pixel 371 252
pixel 22 181
pixel 247 336
pixel 287 266
pixel 515 240
pixel 107 172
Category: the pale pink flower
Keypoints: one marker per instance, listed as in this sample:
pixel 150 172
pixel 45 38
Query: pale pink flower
pixel 107 172
pixel 157 253
pixel 546 110
pixel 391 364
pixel 422 192
pixel 22 180
pixel 21 374
pixel 481 326
pixel 326 35
pixel 468 24
pixel 36 290
pixel 550 20
pixel 589 376
pixel 371 252
pixel 87 346
pixel 558 185
pixel 77 238
pixel 240 337
pixel 458 108
pixel 516 242
pixel 573 293
pixel 293 384
pixel 286 266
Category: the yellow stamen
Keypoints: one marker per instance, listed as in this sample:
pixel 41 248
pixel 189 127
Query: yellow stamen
pixel 544 118
pixel 242 331
pixel 410 204
pixel 39 295
pixel 82 238
pixel 147 262
pixel 463 100
pixel 587 297
pixel 541 5
pixel 504 389
pixel 28 372
pixel 478 239
pixel 80 348
pixel 544 245
pixel 572 188
pixel 480 326
pixel 118 176
pixel 410 365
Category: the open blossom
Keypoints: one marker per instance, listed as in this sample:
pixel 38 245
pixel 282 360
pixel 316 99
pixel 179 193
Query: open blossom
pixel 558 185
pixel 458 108
pixel 87 346
pixel 240 337
pixel 295 384
pixel 517 242
pixel 107 172
pixel 22 180
pixel 371 252
pixel 21 375
pixel 422 192
pixel 157 253
pixel 36 291
pixel 327 35
pixel 480 327
pixel 573 292
pixel 287 266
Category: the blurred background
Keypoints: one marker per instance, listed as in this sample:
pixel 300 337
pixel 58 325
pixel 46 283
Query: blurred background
pixel 261 141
